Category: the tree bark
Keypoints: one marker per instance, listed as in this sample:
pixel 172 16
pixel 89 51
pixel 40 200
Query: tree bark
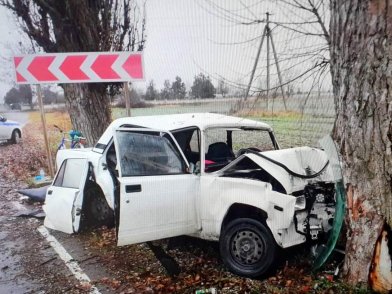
pixel 89 109
pixel 361 68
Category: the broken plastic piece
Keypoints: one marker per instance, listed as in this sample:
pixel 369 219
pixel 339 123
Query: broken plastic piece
pixel 35 194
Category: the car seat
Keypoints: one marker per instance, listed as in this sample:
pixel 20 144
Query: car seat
pixel 220 152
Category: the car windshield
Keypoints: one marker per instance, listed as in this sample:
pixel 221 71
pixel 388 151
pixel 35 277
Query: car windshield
pixel 239 138
pixel 222 145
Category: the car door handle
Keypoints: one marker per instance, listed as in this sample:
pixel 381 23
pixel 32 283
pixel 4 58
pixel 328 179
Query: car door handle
pixel 50 192
pixel 133 188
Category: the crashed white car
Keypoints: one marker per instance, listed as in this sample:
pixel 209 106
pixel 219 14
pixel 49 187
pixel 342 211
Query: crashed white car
pixel 207 175
pixel 10 131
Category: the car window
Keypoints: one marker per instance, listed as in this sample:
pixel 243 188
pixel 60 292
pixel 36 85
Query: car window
pixel 147 154
pixel 194 143
pixel 252 139
pixel 189 142
pixel 70 173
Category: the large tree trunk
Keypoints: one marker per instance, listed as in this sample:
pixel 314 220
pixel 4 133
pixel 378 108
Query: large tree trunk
pixel 89 109
pixel 361 67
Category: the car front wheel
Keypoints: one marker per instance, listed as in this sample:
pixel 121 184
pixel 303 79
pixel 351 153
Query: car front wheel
pixel 247 247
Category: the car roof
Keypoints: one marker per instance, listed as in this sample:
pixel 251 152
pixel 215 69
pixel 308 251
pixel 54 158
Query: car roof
pixel 173 122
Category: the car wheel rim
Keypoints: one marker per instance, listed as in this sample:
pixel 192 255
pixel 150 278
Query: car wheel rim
pixel 247 247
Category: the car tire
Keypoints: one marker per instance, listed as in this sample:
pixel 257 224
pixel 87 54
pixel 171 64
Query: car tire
pixel 98 212
pixel 247 247
pixel 15 137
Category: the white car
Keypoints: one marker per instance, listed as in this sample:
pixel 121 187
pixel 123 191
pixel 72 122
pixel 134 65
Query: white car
pixel 10 131
pixel 207 175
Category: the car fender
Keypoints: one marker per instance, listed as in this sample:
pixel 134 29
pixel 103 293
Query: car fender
pixel 220 193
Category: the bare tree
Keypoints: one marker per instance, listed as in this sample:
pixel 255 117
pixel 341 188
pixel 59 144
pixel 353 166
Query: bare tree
pixel 83 26
pixel 361 69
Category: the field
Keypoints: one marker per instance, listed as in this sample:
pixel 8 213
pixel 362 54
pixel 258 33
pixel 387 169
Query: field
pixel 302 124
pixel 306 120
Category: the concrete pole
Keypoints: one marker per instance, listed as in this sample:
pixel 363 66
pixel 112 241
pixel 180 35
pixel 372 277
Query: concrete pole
pixel 278 70
pixel 255 64
pixel 268 57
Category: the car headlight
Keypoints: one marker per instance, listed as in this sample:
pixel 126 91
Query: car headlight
pixel 300 202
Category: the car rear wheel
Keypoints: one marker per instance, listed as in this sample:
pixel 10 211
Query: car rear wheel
pixel 247 247
pixel 15 137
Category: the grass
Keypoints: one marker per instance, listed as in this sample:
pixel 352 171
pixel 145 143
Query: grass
pixel 291 127
pixel 61 119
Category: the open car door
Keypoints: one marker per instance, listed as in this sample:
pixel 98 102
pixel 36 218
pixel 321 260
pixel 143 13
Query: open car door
pixel 64 199
pixel 158 196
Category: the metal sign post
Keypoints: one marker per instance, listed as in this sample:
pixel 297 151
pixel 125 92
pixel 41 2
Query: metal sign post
pixel 41 108
pixel 127 99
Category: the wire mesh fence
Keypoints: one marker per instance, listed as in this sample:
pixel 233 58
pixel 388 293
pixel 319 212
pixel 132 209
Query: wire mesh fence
pixel 308 117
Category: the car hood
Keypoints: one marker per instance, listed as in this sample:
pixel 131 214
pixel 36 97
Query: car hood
pixel 301 161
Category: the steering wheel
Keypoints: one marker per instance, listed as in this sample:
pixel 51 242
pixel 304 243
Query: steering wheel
pixel 245 150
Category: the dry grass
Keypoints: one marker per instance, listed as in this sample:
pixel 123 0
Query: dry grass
pixel 61 119
pixel 269 114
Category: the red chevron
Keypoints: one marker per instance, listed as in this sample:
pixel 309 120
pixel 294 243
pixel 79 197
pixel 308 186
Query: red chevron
pixel 102 66
pixel 133 66
pixel 19 77
pixel 39 68
pixel 71 67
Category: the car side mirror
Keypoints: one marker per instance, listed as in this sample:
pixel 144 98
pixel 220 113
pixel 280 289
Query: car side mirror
pixel 3 119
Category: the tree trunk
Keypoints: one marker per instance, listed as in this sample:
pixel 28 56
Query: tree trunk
pixel 89 109
pixel 361 68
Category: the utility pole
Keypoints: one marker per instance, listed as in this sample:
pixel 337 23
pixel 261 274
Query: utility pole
pixel 267 33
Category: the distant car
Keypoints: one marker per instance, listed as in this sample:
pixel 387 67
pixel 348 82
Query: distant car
pixel 10 130
pixel 211 176
pixel 16 106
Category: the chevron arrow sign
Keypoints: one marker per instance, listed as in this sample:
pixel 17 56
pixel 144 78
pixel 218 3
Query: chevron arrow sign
pixel 89 67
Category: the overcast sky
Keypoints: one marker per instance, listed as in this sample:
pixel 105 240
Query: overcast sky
pixel 186 37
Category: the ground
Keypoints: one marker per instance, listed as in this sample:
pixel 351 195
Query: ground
pixel 29 264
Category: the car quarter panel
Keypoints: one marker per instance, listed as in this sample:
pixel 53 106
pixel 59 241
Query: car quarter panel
pixel 7 127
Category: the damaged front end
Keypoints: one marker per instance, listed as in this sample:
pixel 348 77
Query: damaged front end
pixel 315 220
pixel 313 177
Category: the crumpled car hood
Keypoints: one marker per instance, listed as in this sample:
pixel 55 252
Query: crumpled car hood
pixel 300 160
